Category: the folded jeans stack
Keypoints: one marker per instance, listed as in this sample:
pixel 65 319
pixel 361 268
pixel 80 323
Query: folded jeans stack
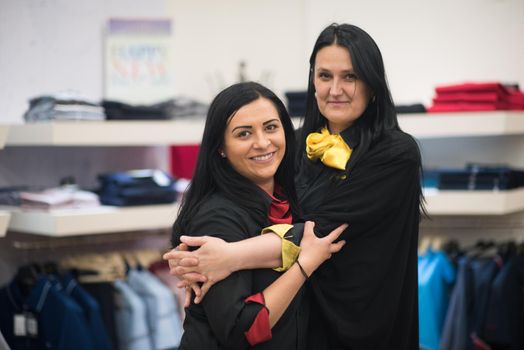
pixel 474 177
pixel 137 187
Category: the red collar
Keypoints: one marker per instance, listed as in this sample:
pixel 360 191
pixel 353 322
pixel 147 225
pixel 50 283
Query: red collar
pixel 279 210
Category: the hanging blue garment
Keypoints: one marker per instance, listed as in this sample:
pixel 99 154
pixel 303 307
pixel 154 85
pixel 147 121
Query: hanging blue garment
pixel 435 280
pixel 60 318
pixel 60 322
pixel 91 310
pixel 11 304
pixel 455 332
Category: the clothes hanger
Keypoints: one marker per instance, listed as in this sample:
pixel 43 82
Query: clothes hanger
pixel 26 277
pixel 507 249
pixel 483 248
pixel 424 244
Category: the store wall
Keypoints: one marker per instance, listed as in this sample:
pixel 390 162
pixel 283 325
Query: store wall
pixel 51 45
pixel 426 43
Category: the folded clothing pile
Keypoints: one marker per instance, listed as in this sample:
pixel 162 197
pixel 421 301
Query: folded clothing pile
pixel 63 106
pixel 65 197
pixel 174 108
pixel 474 177
pixel 489 96
pixel 137 187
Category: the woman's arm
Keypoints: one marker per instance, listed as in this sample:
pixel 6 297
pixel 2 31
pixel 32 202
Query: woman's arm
pixel 216 259
pixel 233 308
pixel 231 322
pixel 314 252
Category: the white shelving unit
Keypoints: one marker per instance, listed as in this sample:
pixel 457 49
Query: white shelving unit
pixel 143 133
pixel 105 219
pixel 474 202
pixel 4 221
pixel 3 135
pixel 137 133
pixel 107 133
pixel 444 125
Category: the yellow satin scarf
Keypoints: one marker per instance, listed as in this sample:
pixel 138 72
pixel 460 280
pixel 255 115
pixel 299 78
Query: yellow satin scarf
pixel 330 149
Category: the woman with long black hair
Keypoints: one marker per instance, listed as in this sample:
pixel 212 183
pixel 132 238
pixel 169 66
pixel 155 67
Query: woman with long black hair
pixel 243 182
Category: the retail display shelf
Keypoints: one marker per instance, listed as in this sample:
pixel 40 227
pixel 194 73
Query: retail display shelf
pixel 104 219
pixel 189 131
pixel 474 202
pixel 107 133
pixel 3 135
pixel 4 221
pixel 463 124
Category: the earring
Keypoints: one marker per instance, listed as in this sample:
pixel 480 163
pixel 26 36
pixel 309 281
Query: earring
pixel 222 154
pixel 373 99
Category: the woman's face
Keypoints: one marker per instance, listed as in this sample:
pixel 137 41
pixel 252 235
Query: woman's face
pixel 341 96
pixel 255 142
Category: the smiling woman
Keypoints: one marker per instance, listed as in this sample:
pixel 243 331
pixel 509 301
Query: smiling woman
pixel 243 182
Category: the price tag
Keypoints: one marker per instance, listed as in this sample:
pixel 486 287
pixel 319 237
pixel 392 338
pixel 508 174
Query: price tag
pixel 19 325
pixel 32 325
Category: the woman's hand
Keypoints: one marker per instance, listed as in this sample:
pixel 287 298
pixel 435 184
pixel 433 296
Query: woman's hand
pixel 314 251
pixel 174 258
pixel 210 263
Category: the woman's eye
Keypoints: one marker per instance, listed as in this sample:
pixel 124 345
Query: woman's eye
pixel 351 77
pixel 324 75
pixel 271 127
pixel 243 134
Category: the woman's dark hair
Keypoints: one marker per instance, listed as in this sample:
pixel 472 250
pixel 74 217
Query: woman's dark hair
pixel 214 173
pixel 368 65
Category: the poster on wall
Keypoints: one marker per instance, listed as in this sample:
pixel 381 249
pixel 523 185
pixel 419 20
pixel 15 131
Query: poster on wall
pixel 138 61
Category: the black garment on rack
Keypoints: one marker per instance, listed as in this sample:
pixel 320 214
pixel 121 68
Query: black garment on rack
pixel 103 292
pixel 365 296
